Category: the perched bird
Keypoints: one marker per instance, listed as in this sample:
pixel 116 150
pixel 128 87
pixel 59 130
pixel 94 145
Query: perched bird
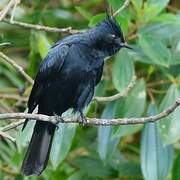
pixel 66 79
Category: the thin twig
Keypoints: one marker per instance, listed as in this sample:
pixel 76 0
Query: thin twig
pixel 14 97
pixel 44 28
pixel 4 135
pixel 5 44
pixel 126 3
pixel 118 95
pixel 12 126
pixel 14 9
pixel 17 67
pixel 93 121
pixel 4 12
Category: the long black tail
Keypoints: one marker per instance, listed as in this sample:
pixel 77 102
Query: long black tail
pixel 37 155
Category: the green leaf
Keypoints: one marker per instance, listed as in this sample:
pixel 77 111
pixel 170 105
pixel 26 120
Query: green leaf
pixel 123 70
pixel 155 50
pixel 92 167
pixel 137 5
pixel 164 27
pixel 87 15
pixel 106 145
pixel 156 160
pixel 131 106
pixel 43 45
pixel 23 137
pixel 61 143
pixel 129 169
pixel 116 4
pixel 96 19
pixel 176 168
pixel 170 126
pixel 78 176
pixel 157 5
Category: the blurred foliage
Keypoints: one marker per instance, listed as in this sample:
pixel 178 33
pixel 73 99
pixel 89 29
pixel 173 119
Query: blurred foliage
pixel 151 151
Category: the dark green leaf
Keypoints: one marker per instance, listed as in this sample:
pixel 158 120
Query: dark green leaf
pixel 176 168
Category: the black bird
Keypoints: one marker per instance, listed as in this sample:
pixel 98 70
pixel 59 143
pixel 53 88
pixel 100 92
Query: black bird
pixel 66 79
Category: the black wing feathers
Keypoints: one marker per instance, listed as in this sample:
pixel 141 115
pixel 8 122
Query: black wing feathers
pixel 51 65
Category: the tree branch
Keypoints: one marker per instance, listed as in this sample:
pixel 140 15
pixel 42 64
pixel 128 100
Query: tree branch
pixel 12 125
pixel 126 3
pixel 92 121
pixel 118 95
pixel 17 67
pixel 4 135
pixel 4 12
pixel 14 9
pixel 14 97
pixel 43 28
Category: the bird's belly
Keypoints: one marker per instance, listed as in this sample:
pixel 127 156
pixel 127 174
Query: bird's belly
pixel 67 89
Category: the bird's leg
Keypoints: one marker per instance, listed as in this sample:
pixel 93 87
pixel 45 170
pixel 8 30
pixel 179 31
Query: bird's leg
pixel 57 117
pixel 83 119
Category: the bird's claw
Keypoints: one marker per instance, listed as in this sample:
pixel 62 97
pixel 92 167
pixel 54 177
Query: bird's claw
pixel 57 121
pixel 83 119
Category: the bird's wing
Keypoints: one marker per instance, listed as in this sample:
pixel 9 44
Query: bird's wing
pixel 51 65
pixel 49 68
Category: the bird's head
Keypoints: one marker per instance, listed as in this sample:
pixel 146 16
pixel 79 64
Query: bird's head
pixel 108 37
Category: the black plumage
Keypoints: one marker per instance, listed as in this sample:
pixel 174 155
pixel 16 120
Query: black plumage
pixel 66 79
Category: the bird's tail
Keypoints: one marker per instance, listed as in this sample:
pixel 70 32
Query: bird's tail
pixel 37 155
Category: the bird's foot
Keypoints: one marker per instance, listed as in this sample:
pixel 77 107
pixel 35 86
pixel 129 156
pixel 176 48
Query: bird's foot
pixel 83 119
pixel 58 119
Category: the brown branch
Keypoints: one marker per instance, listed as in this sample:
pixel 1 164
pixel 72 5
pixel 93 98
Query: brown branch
pixel 93 121
pixel 4 135
pixel 126 3
pixel 4 12
pixel 43 28
pixel 17 67
pixel 118 95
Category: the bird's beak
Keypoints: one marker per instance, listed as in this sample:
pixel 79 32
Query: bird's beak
pixel 125 45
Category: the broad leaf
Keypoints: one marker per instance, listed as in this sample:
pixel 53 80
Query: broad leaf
pixel 123 70
pixel 158 5
pixel 170 126
pixel 87 15
pixel 23 137
pixel 106 146
pixel 62 143
pixel 155 50
pixel 96 19
pixel 176 168
pixel 131 106
pixel 156 160
pixel 43 44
